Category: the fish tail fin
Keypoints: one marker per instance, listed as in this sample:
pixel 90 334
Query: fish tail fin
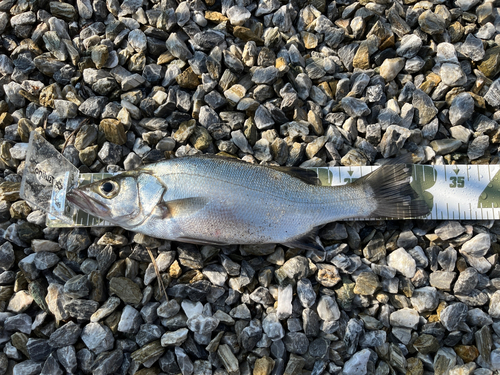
pixel 390 188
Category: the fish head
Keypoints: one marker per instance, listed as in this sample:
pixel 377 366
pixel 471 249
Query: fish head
pixel 126 199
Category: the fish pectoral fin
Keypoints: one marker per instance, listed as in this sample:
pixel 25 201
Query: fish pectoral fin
pixel 181 207
pixel 305 175
pixel 310 241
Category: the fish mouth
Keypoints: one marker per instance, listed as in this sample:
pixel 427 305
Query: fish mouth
pixel 87 203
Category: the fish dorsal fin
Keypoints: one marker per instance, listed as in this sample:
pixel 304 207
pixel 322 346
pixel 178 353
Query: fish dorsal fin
pixel 180 207
pixel 305 175
pixel 309 241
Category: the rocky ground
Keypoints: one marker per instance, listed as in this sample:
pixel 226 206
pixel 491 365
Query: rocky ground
pixel 299 83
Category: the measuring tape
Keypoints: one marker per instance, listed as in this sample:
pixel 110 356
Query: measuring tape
pixel 452 192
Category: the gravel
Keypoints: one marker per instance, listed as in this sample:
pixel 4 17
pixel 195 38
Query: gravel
pixel 305 84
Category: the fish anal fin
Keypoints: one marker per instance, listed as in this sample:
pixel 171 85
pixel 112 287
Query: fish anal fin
pixel 181 207
pixel 305 175
pixel 309 241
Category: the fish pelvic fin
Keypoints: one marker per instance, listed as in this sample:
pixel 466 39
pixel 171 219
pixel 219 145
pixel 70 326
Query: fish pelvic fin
pixel 390 187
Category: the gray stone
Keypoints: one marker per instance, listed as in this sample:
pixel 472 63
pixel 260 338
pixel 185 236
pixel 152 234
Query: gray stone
pixel 306 293
pixel 68 334
pixel 425 299
pixel 473 48
pixel 67 358
pixel 110 153
pixel 409 47
pixel 81 309
pixel 461 109
pixel 442 279
pixel 449 229
pixel 6 256
pixel 296 343
pixel 355 107
pixel 478 147
pixel 97 337
pixel 263 119
pixel 18 323
pixel 453 315
pixel 178 48
pixel 174 338
pixel 431 23
pixel 28 367
pixel 393 140
pixel 93 106
pixel 130 320
pixel 272 327
pixel 425 108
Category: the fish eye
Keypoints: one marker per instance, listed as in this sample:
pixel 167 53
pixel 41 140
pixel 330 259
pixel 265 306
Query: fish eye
pixel 108 189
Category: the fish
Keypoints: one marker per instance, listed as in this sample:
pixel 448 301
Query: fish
pixel 224 201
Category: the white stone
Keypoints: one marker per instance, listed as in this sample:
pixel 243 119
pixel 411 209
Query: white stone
pixel 478 246
pixel 403 262
pixel 19 151
pixel 202 325
pixel 452 75
pixel 20 302
pixel 285 296
pixel 390 68
pixel 328 309
pixel 238 15
pixel 192 309
pixel 357 365
pixel 407 318
pixel 174 338
pixel 494 309
pixel 446 53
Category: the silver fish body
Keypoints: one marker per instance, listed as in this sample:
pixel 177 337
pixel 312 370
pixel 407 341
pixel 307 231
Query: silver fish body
pixel 222 201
